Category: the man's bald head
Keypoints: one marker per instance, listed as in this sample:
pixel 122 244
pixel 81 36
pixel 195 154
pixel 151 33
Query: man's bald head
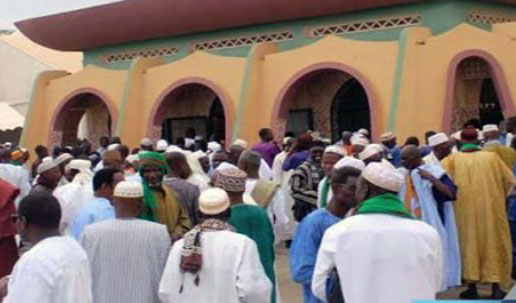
pixel 235 151
pixel 411 157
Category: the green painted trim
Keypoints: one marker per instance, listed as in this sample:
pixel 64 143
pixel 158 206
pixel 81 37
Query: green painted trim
pixel 398 76
pixel 237 125
pixel 123 102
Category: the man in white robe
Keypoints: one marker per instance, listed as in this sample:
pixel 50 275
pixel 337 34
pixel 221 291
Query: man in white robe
pixel 382 254
pixel 226 269
pixel 264 193
pixel 127 255
pixel 55 269
pixel 72 196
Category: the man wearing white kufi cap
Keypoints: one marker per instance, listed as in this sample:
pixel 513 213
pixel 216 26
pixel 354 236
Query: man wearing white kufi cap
pixel 303 251
pixel 197 271
pixel 62 161
pixel 493 144
pixel 359 143
pixel 382 254
pixel 372 153
pixel 127 255
pixel 49 175
pixel 441 148
pixel 73 195
pixel 332 154
pixel 146 144
pixel 428 193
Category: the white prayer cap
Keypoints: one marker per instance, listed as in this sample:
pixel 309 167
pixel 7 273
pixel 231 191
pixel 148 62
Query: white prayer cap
pixel 80 164
pixel 45 165
pixel 113 146
pixel 368 152
pixel 63 158
pixel 146 142
pixel 438 139
pixel 335 149
pixel 350 162
pixel 456 135
pixel 383 176
pixel 285 140
pixel 8 144
pixel 162 145
pixel 490 128
pixel 225 165
pixel 173 148
pixel 363 131
pixel 241 143
pixel 214 146
pixel 359 140
pixel 132 158
pixel 387 136
pixel 213 201
pixel 128 189
pixel 199 138
pixel 189 142
pixel 199 154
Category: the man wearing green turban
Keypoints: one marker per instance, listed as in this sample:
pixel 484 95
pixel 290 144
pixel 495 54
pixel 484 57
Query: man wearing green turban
pixel 161 203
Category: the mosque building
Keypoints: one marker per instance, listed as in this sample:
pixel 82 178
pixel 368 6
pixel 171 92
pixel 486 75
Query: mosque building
pixel 228 68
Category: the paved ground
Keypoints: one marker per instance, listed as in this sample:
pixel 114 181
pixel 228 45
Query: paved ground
pixel 291 292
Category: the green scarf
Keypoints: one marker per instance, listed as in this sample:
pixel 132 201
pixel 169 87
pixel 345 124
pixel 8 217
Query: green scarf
pixel 324 192
pixel 468 147
pixel 388 204
pixel 149 200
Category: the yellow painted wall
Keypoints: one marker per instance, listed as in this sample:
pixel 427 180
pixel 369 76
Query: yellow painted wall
pixel 268 71
pixel 422 98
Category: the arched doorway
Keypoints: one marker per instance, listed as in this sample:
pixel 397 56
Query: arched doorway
pixel 190 106
pixel 475 94
pixel 83 116
pixel 327 100
pixel 350 109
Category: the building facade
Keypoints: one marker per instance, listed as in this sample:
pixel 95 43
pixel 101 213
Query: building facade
pixel 154 68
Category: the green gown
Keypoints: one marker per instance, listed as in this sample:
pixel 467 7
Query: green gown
pixel 253 222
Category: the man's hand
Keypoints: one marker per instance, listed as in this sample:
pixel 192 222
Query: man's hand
pixel 3 286
pixel 425 175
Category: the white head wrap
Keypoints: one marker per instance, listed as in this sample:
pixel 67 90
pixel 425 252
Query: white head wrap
pixel 162 145
pixel 241 143
pixel 359 140
pixel 368 152
pixel 350 162
pixel 173 148
pixel 490 128
pixel 214 147
pixel 213 201
pixel 113 146
pixel 437 139
pixel 146 142
pixel 335 149
pixel 383 176
pixel 46 165
pixel 128 189
pixel 63 158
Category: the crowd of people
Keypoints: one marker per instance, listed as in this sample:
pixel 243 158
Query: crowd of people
pixel 363 221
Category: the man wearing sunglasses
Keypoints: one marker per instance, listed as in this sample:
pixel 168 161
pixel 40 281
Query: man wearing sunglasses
pixel 56 268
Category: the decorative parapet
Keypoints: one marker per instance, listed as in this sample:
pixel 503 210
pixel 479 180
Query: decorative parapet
pixel 490 17
pixel 358 26
pixel 242 41
pixel 143 53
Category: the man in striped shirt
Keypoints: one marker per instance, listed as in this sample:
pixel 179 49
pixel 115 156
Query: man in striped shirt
pixel 127 255
pixel 304 183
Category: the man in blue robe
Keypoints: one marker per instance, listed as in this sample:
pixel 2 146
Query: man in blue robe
pixel 309 234
pixel 428 193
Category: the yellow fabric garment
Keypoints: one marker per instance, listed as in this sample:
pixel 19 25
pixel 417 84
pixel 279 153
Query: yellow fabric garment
pixel 410 194
pixel 170 212
pixel 483 182
pixel 507 154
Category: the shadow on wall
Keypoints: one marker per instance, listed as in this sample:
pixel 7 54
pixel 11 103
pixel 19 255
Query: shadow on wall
pixel 11 135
